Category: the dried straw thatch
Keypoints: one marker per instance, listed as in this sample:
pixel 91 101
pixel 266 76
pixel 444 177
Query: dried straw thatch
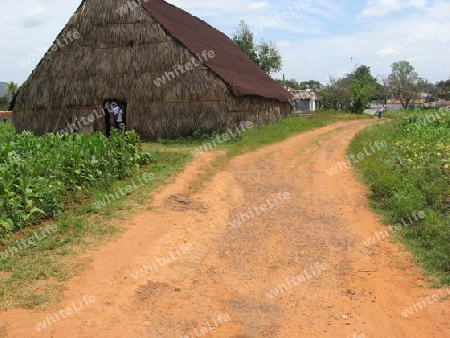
pixel 120 56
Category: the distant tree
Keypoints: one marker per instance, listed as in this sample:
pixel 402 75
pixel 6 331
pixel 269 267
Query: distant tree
pixel 380 94
pixel 243 37
pixel 291 83
pixel 426 87
pixel 311 84
pixel 362 86
pixel 294 84
pixel 265 55
pixel 443 89
pixel 403 82
pixel 4 102
pixel 352 92
pixel 268 56
pixel 336 95
pixel 12 88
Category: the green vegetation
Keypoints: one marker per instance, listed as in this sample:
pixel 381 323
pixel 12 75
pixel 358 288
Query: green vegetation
pixel 294 84
pixel 352 93
pixel 4 102
pixel 266 54
pixel 413 174
pixel 7 91
pixel 196 139
pixel 404 82
pixel 12 88
pixel 37 174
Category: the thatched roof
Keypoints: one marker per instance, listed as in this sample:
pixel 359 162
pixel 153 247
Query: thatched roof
pixel 303 94
pixel 231 64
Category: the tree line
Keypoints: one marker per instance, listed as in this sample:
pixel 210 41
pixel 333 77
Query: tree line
pixel 354 91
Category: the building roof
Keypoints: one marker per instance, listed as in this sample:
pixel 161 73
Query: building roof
pixel 303 94
pixel 398 101
pixel 5 114
pixel 443 103
pixel 230 64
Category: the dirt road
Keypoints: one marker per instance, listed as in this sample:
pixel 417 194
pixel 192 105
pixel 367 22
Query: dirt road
pixel 295 266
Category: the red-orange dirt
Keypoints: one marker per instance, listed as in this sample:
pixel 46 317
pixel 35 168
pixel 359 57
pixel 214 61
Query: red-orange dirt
pixel 220 287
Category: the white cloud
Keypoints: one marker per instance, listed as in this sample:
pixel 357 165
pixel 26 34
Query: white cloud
pixel 257 5
pixel 34 17
pixel 417 3
pixel 440 9
pixel 380 7
pixel 377 8
pixel 328 9
pixel 284 44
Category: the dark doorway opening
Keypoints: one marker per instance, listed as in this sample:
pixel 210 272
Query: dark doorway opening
pixel 111 120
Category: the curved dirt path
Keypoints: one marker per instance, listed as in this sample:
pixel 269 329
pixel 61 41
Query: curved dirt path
pixel 221 286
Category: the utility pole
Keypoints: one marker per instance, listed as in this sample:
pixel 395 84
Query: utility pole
pixel 306 66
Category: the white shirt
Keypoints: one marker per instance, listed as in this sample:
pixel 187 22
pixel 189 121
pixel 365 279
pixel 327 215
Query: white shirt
pixel 117 111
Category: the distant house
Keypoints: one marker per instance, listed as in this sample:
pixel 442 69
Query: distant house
pixel 5 116
pixel 303 100
pixel 443 104
pixel 442 100
pixel 396 104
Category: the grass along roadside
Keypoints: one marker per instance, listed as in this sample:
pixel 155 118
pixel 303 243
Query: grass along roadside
pixel 411 174
pixel 35 277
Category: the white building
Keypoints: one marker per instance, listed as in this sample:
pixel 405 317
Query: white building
pixel 304 100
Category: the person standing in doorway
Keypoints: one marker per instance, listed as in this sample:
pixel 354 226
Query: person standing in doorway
pixel 118 115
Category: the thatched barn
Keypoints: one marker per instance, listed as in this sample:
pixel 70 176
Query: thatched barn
pixel 171 72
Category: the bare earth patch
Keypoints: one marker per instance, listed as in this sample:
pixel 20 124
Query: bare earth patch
pixel 234 271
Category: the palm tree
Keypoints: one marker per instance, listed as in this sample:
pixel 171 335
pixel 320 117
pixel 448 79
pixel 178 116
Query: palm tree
pixel 12 88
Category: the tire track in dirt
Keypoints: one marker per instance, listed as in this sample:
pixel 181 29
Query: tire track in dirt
pixel 231 270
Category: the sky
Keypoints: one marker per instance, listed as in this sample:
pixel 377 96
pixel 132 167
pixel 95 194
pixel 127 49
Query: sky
pixel 316 38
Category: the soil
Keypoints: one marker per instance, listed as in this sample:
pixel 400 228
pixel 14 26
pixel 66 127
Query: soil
pixel 205 277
